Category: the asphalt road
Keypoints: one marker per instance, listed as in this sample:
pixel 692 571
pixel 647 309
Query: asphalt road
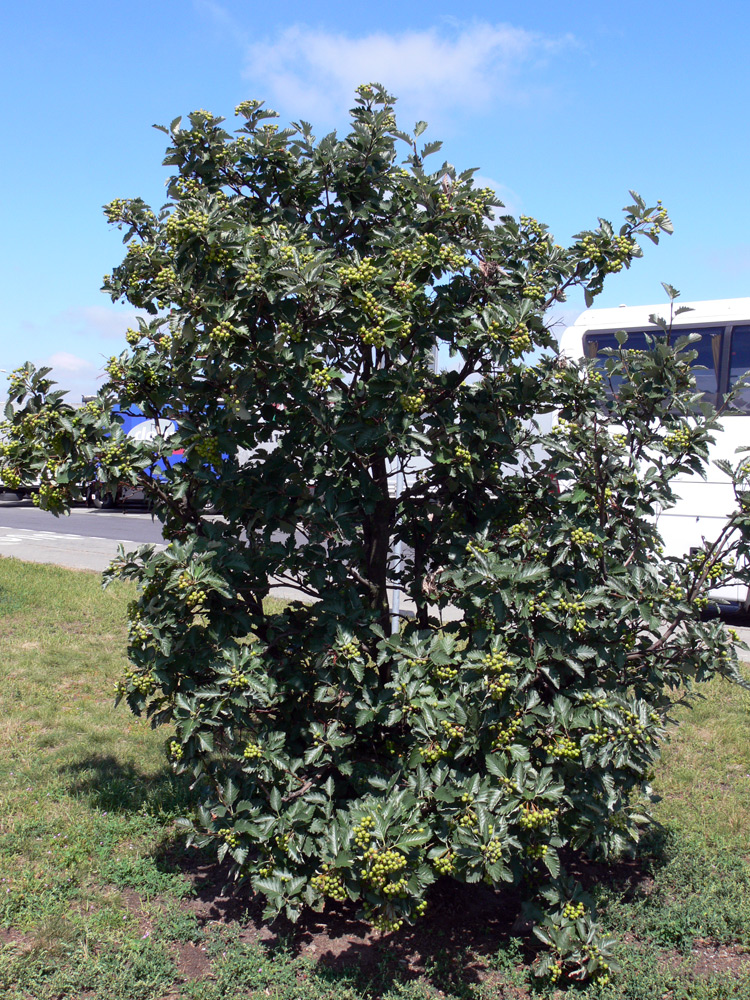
pixel 133 524
pixel 84 539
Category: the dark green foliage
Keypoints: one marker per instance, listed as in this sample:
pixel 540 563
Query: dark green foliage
pixel 295 291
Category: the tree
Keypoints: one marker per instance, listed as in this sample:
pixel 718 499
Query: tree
pixel 294 291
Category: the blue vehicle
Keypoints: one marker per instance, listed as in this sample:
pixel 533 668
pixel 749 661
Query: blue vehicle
pixel 141 428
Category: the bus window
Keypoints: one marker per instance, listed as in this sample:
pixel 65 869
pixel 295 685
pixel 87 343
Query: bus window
pixel 709 356
pixel 739 363
pixel 595 343
pixel 708 348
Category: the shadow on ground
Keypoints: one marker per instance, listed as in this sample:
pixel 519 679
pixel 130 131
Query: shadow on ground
pixel 471 934
pixel 113 786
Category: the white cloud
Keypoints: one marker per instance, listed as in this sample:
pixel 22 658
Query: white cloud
pixel 510 199
pixel 99 321
pixel 470 67
pixel 70 363
pixel 77 375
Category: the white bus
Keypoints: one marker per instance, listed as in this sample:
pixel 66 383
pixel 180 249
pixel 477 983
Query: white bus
pixel 724 354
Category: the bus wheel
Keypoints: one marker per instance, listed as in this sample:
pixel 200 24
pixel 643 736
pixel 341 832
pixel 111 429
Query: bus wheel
pixel 102 501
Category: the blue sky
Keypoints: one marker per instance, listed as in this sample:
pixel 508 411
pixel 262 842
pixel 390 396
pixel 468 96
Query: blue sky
pixel 563 107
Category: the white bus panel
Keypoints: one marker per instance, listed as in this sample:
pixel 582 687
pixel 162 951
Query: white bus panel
pixel 724 353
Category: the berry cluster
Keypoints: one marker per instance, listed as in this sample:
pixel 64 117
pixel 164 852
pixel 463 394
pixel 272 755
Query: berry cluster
pixel 536 850
pixel 175 750
pixel 571 607
pixel 593 701
pixel 321 378
pixel 463 456
pixel 467 819
pixel 505 734
pixel 246 108
pixel 592 951
pixel 195 595
pixel 219 255
pixel 182 226
pixel 11 478
pixel 133 337
pixel 520 341
pixel 237 679
pixel 408 255
pixel 534 818
pixel 208 448
pixel 252 752
pixel 555 971
pixel 537 605
pixel 573 911
pixel 678 440
pixel 413 404
pixel 165 279
pixel 519 530
pixel 492 852
pixel 531 226
pixel 230 838
pixel 383 866
pixel 266 868
pixel 186 187
pixel 294 333
pixel 493 329
pixel 497 662
pixel 358 274
pixel 116 209
pixel 452 730
pixel 587 540
pixel 445 672
pixel 223 332
pixel 620 250
pixel 50 496
pixel 253 274
pixel 329 883
pixel 631 730
pixel 445 864
pixel 372 307
pixel 474 549
pixel 143 683
pixel 674 592
pixel 404 289
pixel 137 630
pixel 282 842
pixel 383 920
pixel 115 369
pixel 373 336
pixel 362 833
pixel 433 753
pixel 534 291
pixel 481 201
pixel 564 749
pixel 451 257
pixel 350 650
pixel 715 572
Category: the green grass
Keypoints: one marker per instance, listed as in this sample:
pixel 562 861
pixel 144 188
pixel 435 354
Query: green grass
pixel 96 899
